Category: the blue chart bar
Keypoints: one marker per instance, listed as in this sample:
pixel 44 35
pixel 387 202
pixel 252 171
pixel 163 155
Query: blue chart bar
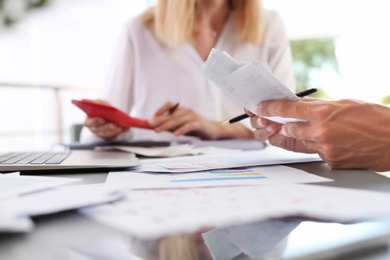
pixel 231 171
pixel 221 179
pixel 225 175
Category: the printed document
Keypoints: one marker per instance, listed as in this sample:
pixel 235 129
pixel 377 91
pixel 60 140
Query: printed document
pixel 60 199
pixel 270 155
pixel 12 223
pixel 265 175
pixel 14 185
pixel 170 151
pixel 154 213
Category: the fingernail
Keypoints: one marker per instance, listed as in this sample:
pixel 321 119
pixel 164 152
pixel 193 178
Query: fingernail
pixel 284 132
pixel 260 122
pixel 258 109
pixel 269 129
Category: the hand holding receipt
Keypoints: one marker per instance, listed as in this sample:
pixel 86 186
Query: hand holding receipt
pixel 249 83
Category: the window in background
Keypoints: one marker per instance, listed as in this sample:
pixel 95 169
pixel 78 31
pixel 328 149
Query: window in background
pixel 13 11
pixel 361 40
pixel 312 59
pixel 50 55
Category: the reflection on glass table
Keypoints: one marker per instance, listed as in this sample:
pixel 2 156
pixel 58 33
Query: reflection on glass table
pixel 272 239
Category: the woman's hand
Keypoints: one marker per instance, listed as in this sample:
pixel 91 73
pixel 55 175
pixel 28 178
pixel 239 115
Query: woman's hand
pixel 185 121
pixel 101 127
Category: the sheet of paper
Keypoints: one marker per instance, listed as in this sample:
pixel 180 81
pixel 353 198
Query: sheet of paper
pixel 219 245
pixel 249 83
pixel 170 151
pixel 253 239
pixel 265 175
pixel 15 184
pixel 155 213
pixel 108 246
pixel 12 173
pixel 237 143
pixel 12 223
pixel 60 199
pixel 270 155
pixel 218 66
pixel 256 83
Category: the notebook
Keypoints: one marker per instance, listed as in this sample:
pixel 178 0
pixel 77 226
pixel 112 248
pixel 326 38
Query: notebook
pixel 47 162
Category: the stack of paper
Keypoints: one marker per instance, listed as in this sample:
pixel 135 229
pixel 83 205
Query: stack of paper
pixel 24 196
pixel 270 155
pixel 154 213
pixel 249 83
pixel 244 176
pixel 170 151
pixel 13 184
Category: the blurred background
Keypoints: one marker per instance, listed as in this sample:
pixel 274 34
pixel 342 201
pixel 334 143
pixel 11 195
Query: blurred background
pixel 52 51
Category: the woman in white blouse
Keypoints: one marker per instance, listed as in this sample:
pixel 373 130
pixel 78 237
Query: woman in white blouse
pixel 158 64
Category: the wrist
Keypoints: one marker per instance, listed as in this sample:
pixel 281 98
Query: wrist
pixel 236 130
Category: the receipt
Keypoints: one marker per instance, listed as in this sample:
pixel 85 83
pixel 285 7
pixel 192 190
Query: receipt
pixel 248 83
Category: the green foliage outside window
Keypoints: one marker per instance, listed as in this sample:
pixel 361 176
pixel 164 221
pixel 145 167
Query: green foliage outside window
pixel 386 100
pixel 311 55
pixel 11 14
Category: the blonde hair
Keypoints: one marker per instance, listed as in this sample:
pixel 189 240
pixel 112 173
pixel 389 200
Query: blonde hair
pixel 172 21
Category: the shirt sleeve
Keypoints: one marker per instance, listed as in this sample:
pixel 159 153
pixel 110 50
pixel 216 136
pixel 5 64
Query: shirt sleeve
pixel 118 87
pixel 280 57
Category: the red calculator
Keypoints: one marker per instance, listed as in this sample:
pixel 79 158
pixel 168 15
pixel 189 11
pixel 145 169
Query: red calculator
pixel 110 113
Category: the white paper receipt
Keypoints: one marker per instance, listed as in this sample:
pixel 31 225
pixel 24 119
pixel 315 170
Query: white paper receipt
pixel 249 83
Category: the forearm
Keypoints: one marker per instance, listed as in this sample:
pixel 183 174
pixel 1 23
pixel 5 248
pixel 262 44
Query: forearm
pixel 236 130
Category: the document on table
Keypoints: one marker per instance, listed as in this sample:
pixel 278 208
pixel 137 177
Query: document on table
pixel 155 213
pixel 12 223
pixel 236 143
pixel 60 199
pixel 253 239
pixel 14 185
pixel 265 175
pixel 111 245
pixel 248 83
pixel 170 151
pixel 270 155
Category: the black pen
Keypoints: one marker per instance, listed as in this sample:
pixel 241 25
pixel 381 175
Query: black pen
pixel 173 108
pixel 303 93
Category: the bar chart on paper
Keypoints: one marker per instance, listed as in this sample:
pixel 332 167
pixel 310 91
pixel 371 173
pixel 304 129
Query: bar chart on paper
pixel 236 176
pixel 220 175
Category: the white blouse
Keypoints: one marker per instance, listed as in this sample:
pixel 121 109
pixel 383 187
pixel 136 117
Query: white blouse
pixel 146 73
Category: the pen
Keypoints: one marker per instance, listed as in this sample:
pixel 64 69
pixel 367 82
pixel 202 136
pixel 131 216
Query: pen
pixel 306 92
pixel 303 93
pixel 173 108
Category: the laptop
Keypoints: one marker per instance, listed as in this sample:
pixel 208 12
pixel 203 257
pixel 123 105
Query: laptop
pixel 53 161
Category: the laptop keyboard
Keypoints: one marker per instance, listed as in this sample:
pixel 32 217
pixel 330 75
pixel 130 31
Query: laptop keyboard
pixel 33 158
